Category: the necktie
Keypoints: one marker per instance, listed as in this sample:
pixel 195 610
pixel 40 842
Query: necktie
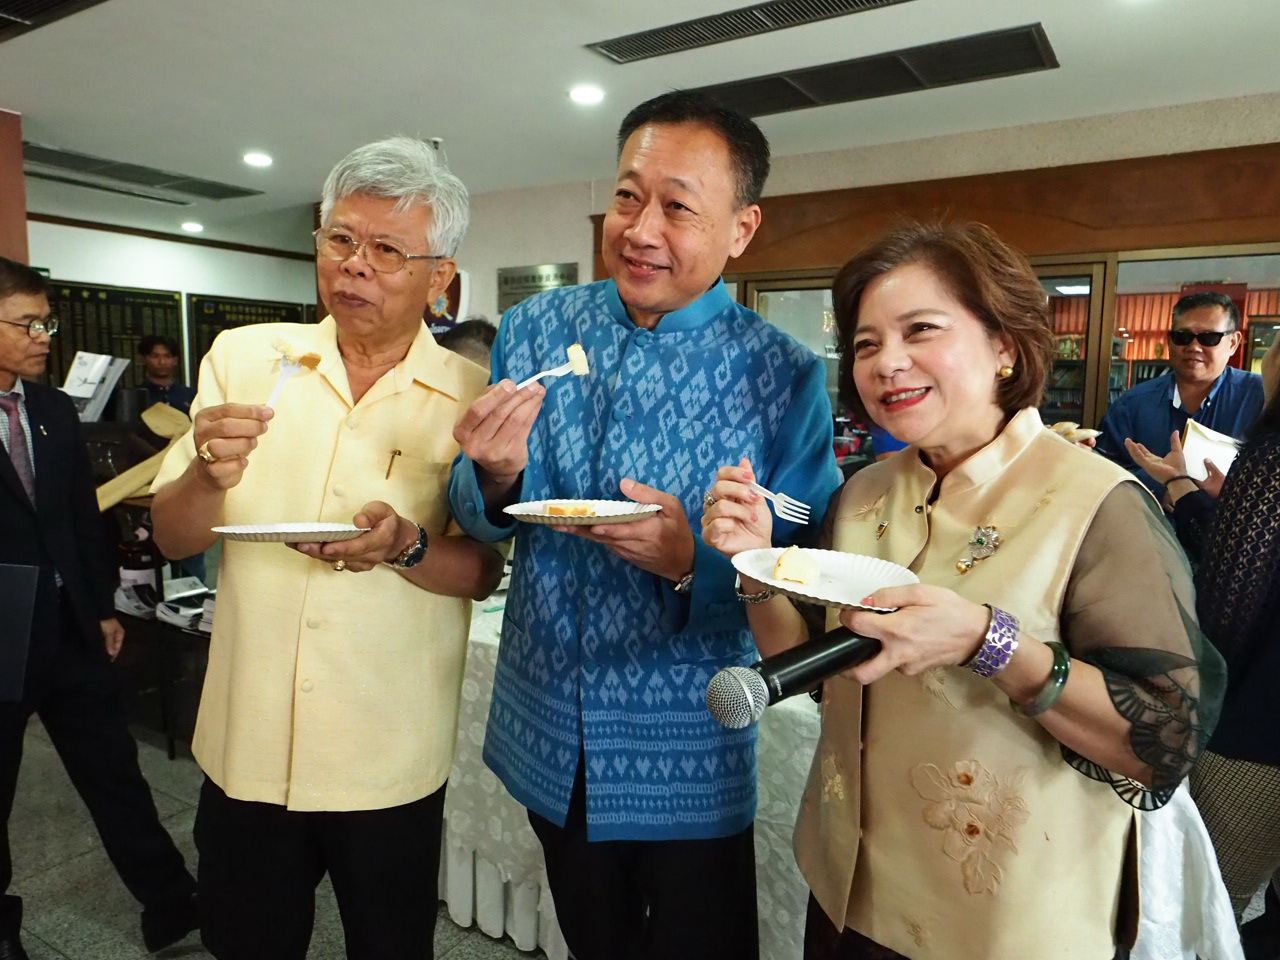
pixel 18 451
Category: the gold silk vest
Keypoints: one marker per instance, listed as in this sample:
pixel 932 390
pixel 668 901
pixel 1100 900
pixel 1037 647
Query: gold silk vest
pixel 936 821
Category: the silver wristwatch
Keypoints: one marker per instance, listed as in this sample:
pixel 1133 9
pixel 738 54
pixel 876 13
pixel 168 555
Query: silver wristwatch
pixel 413 555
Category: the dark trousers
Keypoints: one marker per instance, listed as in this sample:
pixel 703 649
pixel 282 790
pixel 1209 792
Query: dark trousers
pixel 260 864
pixel 71 687
pixel 650 899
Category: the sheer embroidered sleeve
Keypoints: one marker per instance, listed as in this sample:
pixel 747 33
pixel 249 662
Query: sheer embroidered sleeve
pixel 1239 572
pixel 1130 611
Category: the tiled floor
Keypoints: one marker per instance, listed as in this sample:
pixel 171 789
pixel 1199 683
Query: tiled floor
pixel 77 909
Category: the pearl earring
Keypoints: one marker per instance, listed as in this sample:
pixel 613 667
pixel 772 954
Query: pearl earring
pixel 1006 372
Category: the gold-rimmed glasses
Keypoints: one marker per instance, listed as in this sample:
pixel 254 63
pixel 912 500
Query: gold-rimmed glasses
pixel 48 325
pixel 382 256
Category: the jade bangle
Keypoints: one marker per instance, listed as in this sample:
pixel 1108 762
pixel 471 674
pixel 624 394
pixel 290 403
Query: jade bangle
pixel 1053 687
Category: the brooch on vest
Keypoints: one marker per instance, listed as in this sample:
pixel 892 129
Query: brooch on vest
pixel 984 542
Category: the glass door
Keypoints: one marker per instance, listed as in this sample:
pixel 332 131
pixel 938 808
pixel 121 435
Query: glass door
pixel 802 308
pixel 1072 389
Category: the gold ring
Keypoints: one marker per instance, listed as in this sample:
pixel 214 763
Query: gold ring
pixel 204 453
pixel 340 565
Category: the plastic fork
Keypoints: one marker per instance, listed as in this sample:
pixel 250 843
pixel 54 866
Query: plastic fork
pixel 288 368
pixel 553 372
pixel 578 364
pixel 787 508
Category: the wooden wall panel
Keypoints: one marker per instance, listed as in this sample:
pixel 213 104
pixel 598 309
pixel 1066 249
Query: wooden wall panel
pixel 13 189
pixel 1205 198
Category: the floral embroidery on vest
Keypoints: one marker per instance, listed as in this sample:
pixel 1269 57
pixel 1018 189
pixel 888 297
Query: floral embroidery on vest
pixel 977 811
pixel 917 931
pixel 870 510
pixel 935 683
pixel 832 779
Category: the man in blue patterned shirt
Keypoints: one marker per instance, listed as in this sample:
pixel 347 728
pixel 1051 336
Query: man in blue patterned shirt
pixel 642 802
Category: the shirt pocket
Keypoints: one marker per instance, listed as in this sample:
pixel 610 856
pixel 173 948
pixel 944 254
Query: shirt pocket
pixel 419 491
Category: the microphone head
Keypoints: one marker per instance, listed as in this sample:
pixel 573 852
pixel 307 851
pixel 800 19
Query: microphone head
pixel 737 697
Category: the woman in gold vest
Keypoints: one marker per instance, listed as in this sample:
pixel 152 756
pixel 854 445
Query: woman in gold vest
pixel 973 790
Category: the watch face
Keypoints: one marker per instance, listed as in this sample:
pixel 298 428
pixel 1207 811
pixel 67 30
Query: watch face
pixel 413 556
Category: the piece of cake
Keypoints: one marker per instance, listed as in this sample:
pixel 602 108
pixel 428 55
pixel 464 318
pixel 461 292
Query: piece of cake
pixel 796 566
pixel 578 359
pixel 569 510
pixel 289 351
pixel 1073 431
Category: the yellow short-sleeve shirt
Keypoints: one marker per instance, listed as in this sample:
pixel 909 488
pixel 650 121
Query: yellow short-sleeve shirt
pixel 331 690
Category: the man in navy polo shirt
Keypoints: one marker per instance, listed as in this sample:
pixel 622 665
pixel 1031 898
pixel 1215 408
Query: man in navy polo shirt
pixel 1199 386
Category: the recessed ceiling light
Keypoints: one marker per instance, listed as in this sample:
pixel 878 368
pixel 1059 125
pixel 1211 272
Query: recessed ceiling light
pixel 586 94
pixel 1069 291
pixel 257 159
pixel 192 227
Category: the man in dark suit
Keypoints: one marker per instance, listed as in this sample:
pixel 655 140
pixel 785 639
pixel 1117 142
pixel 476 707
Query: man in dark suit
pixel 49 520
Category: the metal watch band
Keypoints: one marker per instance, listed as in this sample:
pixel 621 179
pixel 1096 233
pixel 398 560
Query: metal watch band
pixel 412 556
pixel 768 593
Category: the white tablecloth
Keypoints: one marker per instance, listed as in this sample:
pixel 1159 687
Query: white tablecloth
pixel 492 873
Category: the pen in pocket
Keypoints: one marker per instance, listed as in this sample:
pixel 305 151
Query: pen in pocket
pixel 391 463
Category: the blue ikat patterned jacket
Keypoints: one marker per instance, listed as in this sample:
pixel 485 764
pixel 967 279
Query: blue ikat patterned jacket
pixel 599 657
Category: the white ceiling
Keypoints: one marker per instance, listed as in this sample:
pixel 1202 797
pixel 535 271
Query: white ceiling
pixel 189 85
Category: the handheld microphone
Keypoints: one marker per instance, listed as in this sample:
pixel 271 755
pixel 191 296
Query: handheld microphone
pixel 737 696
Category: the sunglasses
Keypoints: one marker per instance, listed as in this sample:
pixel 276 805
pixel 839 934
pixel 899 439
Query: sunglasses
pixel 1207 338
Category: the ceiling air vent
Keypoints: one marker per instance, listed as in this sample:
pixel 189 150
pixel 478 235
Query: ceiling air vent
pixel 984 56
pixel 130 179
pixel 730 25
pixel 19 16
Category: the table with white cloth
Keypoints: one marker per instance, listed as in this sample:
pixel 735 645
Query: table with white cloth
pixel 492 874
pixel 491 870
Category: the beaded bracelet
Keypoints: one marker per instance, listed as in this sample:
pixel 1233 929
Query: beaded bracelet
pixel 1053 687
pixel 768 593
pixel 997 646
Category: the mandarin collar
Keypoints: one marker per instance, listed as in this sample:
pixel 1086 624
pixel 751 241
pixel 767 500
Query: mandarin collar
pixel 695 315
pixel 988 462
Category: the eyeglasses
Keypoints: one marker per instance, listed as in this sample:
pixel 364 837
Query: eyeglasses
pixel 48 325
pixel 1206 338
pixel 382 256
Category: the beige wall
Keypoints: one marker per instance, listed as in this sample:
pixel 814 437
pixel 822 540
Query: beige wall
pixel 549 224
pixel 516 228
pixel 1142 133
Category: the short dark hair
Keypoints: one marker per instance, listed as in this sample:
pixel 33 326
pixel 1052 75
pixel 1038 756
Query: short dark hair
pixel 149 343
pixel 16 278
pixel 1208 298
pixel 748 146
pixel 993 281
pixel 475 330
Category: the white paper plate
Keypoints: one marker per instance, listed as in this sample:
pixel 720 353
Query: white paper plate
pixel 291 532
pixel 844 578
pixel 603 511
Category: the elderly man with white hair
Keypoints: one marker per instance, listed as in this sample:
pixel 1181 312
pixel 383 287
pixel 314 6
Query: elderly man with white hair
pixel 329 713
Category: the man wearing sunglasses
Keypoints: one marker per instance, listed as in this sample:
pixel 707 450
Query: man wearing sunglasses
pixel 1199 386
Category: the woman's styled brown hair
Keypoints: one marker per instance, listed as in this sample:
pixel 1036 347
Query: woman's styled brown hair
pixel 993 281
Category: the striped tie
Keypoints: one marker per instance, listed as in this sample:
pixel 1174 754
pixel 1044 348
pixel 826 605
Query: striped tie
pixel 18 452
